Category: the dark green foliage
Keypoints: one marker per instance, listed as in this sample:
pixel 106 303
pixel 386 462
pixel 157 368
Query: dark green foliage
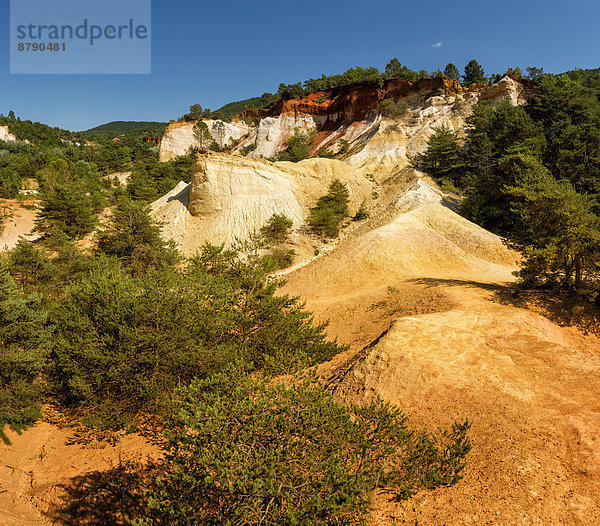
pixel 134 239
pixel 515 72
pixel 40 134
pixel 298 147
pixel 324 153
pixel 474 74
pixel 247 452
pixel 282 257
pixel 291 91
pixel 150 179
pixel 49 268
pixel 331 209
pixel 496 133
pixel 117 128
pixel 568 107
pixel 235 108
pixel 277 230
pixel 452 72
pixel 389 108
pixel 561 234
pixel 123 344
pixel 362 213
pixel 23 337
pixel 443 156
pixel 68 209
pixel 395 70
pixel 202 135
pixel 344 146
pixel 10 183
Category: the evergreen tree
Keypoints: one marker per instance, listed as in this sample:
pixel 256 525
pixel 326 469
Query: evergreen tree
pixel 443 156
pixel 66 208
pixel 495 132
pixel 10 183
pixel 561 234
pixel 23 337
pixel 331 209
pixel 134 239
pixel 202 135
pixel 451 71
pixel 474 74
pixel 278 228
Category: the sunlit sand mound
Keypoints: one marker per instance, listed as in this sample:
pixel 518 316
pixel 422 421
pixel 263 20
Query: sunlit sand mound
pixel 532 391
pixel 423 238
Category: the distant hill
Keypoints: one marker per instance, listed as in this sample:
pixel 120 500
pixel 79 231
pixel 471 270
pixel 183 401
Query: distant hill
pixel 128 128
pixel 234 108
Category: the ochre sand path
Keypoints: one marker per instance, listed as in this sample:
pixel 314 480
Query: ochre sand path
pixel 18 223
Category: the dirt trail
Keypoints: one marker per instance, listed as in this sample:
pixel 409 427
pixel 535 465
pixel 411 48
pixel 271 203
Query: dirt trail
pixel 18 223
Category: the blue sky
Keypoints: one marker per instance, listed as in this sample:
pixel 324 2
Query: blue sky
pixel 216 52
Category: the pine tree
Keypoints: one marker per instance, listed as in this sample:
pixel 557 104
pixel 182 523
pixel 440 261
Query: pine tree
pixel 331 209
pixel 474 74
pixel 135 239
pixel 560 232
pixel 68 209
pixel 442 158
pixel 451 71
pixel 202 135
pixel 23 336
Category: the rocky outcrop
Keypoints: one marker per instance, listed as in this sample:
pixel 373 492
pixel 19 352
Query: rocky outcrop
pixel 519 91
pixel 231 197
pixel 179 136
pixel 5 134
pixel 351 114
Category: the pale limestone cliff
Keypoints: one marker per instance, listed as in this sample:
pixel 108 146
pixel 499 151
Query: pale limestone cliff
pixel 5 134
pixel 232 197
pixel 179 136
pixel 358 122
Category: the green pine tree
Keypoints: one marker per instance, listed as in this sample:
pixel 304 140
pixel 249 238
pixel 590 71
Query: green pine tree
pixel 23 339
pixel 474 74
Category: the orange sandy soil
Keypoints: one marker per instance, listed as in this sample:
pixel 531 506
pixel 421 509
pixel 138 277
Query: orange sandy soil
pixel 18 224
pixel 458 349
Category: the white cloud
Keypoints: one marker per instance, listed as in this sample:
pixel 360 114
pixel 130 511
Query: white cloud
pixel 438 44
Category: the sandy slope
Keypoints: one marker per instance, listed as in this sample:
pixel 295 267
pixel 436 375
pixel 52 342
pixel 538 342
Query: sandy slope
pixel 457 347
pixel 18 224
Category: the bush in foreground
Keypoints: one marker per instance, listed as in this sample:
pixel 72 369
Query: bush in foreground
pixel 245 451
pixel 123 344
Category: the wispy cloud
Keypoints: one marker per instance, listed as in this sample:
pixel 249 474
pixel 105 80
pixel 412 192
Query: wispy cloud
pixel 438 44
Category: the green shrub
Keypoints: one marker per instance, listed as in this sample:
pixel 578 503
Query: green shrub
pixel 67 208
pixel 389 108
pixel 247 452
pixel 362 213
pixel 134 238
pixel 123 344
pixel 298 146
pixel 282 257
pixel 344 146
pixel 324 153
pixel 23 340
pixel 277 229
pixel 331 209
pixel 10 183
